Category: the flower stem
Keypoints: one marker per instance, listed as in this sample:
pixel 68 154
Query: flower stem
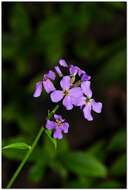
pixel 30 150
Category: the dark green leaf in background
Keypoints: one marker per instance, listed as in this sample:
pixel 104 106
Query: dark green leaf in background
pixel 84 164
pixel 119 166
pixel 118 142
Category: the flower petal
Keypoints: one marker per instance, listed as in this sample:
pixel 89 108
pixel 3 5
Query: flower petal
pixel 50 125
pixel 80 72
pixel 80 101
pixel 57 95
pixel 57 69
pixel 75 92
pixel 85 77
pixel 65 83
pixel 38 89
pixel 65 127
pixel 87 112
pixel 48 86
pixel 73 70
pixel 96 106
pixel 58 134
pixel 85 86
pixel 67 102
pixel 63 63
pixel 51 75
pixel 56 116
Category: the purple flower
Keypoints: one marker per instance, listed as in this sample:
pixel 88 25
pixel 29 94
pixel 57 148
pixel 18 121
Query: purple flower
pixel 50 75
pixel 63 63
pixel 81 73
pixel 38 89
pixel 87 103
pixel 47 84
pixel 57 69
pixel 58 126
pixel 73 70
pixel 85 77
pixel 67 93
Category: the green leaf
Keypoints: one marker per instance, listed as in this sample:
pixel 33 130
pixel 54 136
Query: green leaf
pixel 109 184
pixel 119 167
pixel 14 154
pixel 57 166
pixel 97 150
pixel 37 170
pixel 54 141
pixel 84 164
pixel 62 147
pixel 19 145
pixel 118 142
pixel 80 183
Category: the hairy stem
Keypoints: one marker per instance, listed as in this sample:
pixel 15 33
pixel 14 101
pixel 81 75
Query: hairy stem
pixel 15 175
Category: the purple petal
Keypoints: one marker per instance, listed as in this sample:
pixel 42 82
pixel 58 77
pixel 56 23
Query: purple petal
pixel 73 70
pixel 67 102
pixel 38 89
pixel 63 63
pixel 65 127
pixel 87 112
pixel 65 83
pixel 78 101
pixel 45 77
pixel 59 117
pixel 58 134
pixel 85 77
pixel 51 75
pixel 75 92
pixel 57 69
pixel 97 106
pixel 48 85
pixel 85 86
pixel 50 125
pixel 57 95
pixel 80 72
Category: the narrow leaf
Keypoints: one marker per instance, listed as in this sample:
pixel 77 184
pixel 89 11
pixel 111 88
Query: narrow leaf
pixel 20 145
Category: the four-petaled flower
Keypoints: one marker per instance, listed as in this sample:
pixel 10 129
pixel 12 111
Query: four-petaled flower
pixel 58 126
pixel 87 103
pixel 68 93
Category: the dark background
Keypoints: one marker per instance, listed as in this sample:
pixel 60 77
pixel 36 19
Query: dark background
pixel 93 36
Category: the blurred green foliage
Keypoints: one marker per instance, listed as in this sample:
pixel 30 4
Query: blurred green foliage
pixel 35 36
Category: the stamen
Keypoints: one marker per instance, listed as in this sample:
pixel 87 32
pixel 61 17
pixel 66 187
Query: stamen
pixel 66 92
pixel 59 122
pixel 87 100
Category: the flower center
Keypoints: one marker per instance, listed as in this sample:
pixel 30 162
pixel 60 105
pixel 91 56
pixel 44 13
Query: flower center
pixel 66 92
pixel 59 122
pixel 88 100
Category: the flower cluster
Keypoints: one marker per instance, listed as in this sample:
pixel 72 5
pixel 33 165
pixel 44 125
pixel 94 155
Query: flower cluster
pixel 75 90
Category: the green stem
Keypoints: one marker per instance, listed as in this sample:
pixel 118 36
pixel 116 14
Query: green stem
pixel 30 150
